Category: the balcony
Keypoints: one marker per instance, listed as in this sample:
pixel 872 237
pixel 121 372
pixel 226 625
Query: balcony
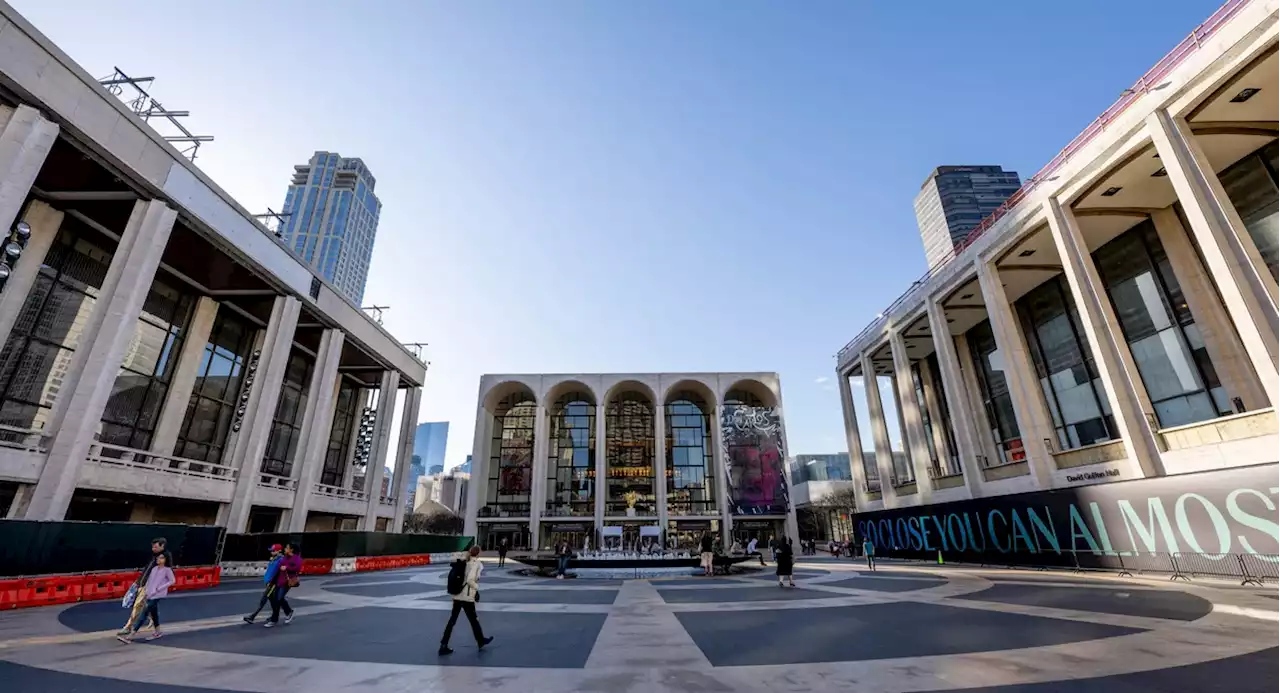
pixel 128 470
pixel 1229 441
pixel 338 500
pixel 578 508
pixel 945 478
pixel 643 508
pixel 504 510
pixel 692 508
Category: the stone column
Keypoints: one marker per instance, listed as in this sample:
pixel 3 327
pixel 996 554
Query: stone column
pixel 260 407
pixel 1245 284
pixel 404 458
pixel 1029 408
pixel 92 374
pixel 912 421
pixel 44 222
pixel 660 465
pixel 478 487
pixel 602 483
pixel 375 469
pixel 1229 358
pixel 853 440
pixel 1130 407
pixel 317 423
pixel 25 140
pixel 174 410
pixel 722 479
pixel 879 429
pixel 955 389
pixel 538 490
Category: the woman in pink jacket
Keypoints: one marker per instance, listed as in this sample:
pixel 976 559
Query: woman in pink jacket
pixel 159 581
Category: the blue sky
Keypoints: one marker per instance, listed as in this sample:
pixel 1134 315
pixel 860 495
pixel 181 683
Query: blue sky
pixel 649 186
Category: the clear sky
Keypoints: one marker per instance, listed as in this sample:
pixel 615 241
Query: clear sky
pixel 575 186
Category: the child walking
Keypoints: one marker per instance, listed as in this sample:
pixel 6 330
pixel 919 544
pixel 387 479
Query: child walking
pixel 157 588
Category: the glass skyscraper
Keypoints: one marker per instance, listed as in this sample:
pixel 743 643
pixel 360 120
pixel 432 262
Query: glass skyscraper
pixel 954 200
pixel 331 218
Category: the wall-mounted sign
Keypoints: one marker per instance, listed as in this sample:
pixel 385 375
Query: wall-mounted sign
pixel 571 527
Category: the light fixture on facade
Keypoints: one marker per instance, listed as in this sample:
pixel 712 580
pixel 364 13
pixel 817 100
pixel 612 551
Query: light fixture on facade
pixel 1244 95
pixel 1110 192
pixel 1160 173
pixel 16 242
pixel 1027 253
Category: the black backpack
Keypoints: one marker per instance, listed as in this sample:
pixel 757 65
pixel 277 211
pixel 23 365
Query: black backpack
pixel 457 576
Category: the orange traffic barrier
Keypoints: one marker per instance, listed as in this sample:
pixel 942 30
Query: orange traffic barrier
pixel 317 566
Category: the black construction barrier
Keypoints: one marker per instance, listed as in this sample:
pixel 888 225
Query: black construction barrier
pixel 1248 568
pixel 254 547
pixel 54 548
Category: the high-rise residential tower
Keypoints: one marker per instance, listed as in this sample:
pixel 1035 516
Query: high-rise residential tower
pixel 955 199
pixel 332 218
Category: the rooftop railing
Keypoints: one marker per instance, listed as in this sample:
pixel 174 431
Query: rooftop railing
pixel 1145 84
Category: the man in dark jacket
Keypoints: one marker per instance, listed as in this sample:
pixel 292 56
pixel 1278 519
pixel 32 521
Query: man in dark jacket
pixel 140 602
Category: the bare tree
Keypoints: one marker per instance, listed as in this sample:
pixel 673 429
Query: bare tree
pixel 435 523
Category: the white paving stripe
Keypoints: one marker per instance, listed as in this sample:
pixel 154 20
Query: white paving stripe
pixel 640 633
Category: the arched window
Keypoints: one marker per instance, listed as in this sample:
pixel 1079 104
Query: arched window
pixel 690 468
pixel 629 455
pixel 571 462
pixel 511 454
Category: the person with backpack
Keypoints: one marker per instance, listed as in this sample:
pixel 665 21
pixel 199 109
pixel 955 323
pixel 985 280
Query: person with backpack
pixel 287 577
pixel 464 586
pixel 269 577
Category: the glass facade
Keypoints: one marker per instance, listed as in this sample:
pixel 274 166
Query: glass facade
pixel 690 466
pixel 831 467
pixel 629 455
pixel 286 425
pixel 1163 337
pixel 996 400
pixel 214 397
pixel 1064 366
pixel 1251 185
pixel 510 479
pixel 344 421
pixel 47 332
pixel 951 459
pixel 571 463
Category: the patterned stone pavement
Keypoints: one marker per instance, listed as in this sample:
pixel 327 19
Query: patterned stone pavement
pixel 903 628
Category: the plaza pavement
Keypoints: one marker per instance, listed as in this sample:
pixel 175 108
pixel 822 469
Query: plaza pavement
pixel 903 628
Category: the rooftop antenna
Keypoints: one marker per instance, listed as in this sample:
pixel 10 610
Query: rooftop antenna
pixel 146 107
pixel 375 312
pixel 416 348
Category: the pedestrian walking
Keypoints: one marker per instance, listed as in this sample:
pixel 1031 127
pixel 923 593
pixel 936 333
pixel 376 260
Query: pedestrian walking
pixel 269 579
pixel 707 554
pixel 563 554
pixel 464 587
pixel 288 574
pixel 785 559
pixel 158 584
pixel 870 550
pixel 753 551
pixel 139 606
pixel 502 552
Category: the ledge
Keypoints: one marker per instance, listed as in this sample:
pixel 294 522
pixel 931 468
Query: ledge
pixel 1227 428
pixel 948 481
pixel 1006 471
pixel 1096 453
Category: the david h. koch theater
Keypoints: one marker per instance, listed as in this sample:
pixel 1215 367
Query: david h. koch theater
pixel 631 462
pixel 1091 377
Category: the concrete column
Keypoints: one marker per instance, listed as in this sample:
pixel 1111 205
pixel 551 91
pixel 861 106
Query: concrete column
pixel 1130 406
pixel 853 440
pixel 44 222
pixel 1230 360
pixel 25 140
pixel 183 382
pixel 955 390
pixel 251 441
pixel 722 478
pixel 95 364
pixel 317 423
pixel 602 483
pixel 912 421
pixel 21 501
pixel 538 490
pixel 879 430
pixel 660 466
pixel 375 470
pixel 1243 280
pixel 934 410
pixel 478 488
pixel 1029 408
pixel 404 458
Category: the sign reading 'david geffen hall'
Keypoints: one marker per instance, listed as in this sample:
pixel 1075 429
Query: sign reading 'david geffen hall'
pixel 1217 513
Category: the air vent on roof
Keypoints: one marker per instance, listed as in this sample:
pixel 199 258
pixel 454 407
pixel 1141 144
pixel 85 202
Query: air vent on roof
pixel 1244 95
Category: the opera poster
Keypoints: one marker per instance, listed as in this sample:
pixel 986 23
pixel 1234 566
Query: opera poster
pixel 755 461
pixel 515 476
pixel 1208 517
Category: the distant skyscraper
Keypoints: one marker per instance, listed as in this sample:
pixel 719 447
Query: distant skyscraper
pixel 436 469
pixel 332 217
pixel 955 199
pixel 465 466
pixel 429 442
